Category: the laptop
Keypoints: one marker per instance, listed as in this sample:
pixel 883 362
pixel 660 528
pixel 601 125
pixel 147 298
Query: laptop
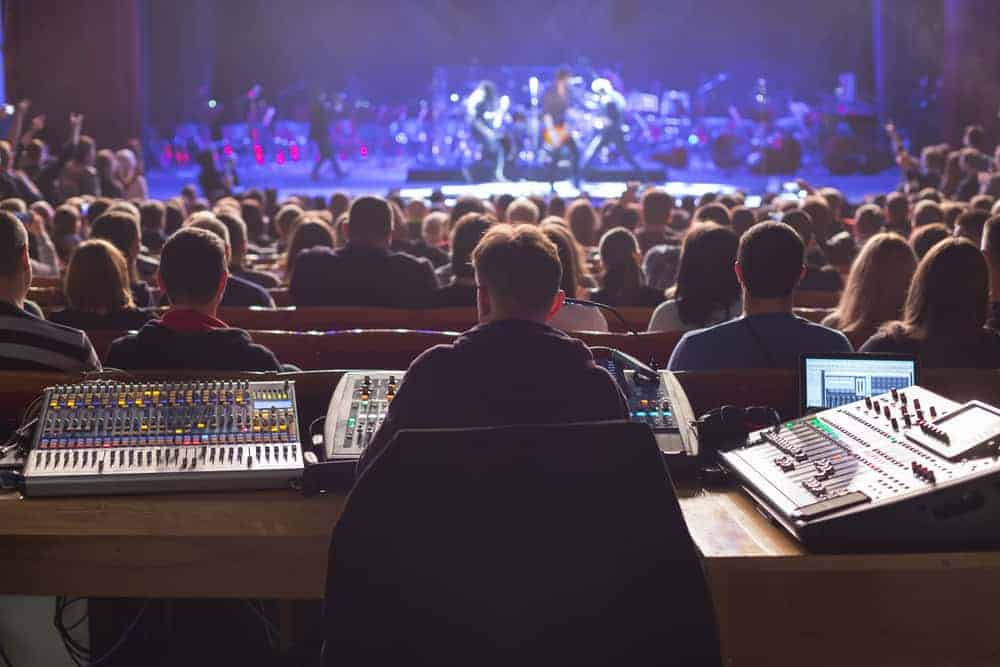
pixel 831 380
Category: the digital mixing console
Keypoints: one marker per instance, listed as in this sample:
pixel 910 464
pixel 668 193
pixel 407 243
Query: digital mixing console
pixel 110 437
pixel 903 469
pixel 361 399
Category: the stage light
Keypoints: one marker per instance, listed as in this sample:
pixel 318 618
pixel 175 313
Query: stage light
pixel 533 86
pixel 293 151
pixel 454 97
pixel 212 104
pixel 364 151
pixel 401 138
pixel 280 157
pixel 693 139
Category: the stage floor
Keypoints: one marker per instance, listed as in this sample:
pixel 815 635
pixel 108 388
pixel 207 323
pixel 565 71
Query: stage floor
pixel 367 177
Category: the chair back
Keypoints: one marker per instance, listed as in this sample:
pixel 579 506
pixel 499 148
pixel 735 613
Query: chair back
pixel 554 545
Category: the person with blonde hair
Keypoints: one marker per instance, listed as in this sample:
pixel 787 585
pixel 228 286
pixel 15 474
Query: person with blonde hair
pixel 523 212
pixel 98 292
pixel 876 287
pixel 132 180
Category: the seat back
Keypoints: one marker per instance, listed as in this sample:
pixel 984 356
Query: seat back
pixel 556 545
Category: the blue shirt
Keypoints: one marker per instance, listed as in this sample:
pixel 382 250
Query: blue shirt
pixel 774 340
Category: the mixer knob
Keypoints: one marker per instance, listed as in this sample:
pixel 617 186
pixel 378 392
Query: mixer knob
pixel 916 404
pixel 868 402
pixel 903 398
pixel 876 407
pixel 887 412
pixel 933 412
pixel 906 420
pixel 895 394
pixel 895 424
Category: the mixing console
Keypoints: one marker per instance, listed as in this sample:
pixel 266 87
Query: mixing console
pixel 137 438
pixel 903 468
pixel 356 411
pixel 361 399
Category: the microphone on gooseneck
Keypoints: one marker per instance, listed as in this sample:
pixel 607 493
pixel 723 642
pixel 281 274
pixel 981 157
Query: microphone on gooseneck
pixel 621 318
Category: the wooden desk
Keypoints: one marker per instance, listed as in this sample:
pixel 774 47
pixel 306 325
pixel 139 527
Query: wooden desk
pixel 776 605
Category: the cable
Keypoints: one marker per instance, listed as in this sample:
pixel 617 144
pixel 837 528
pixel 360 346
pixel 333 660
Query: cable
pixel 78 653
pixel 3 656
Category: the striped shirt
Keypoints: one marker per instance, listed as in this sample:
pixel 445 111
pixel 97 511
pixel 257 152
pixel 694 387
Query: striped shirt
pixel 28 343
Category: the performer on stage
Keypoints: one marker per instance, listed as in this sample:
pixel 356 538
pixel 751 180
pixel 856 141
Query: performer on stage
pixel 319 131
pixel 557 137
pixel 485 112
pixel 611 104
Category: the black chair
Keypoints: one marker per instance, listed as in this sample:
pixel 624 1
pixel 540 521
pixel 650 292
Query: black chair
pixel 523 545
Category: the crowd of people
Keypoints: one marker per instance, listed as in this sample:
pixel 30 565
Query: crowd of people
pixel 917 269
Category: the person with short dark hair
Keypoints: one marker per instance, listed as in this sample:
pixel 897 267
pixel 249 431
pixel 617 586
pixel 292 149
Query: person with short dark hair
pixel 98 294
pixel 239 293
pixel 712 212
pixel 769 266
pixel 657 206
pixel 897 213
pixel 518 274
pixel 822 278
pixel 28 342
pixel 970 225
pixel 927 212
pixel 365 272
pixel 946 310
pixel 926 237
pixel 239 245
pixel 468 231
pixel 582 220
pixel 193 273
pixel 66 231
pixel 152 222
pixel 122 230
pixel 869 221
pixel 991 251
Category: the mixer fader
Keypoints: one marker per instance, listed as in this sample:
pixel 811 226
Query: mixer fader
pixel 111 437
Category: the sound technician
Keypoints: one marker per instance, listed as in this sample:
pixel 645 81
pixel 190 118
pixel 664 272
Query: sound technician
pixel 513 368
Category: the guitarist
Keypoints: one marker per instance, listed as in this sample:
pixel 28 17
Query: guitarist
pixel 557 137
pixel 485 114
pixel 612 106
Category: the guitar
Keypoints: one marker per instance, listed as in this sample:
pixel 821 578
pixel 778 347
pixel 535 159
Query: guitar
pixel 556 136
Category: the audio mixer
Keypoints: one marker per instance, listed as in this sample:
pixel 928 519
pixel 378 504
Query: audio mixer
pixel 361 399
pixel 356 411
pixel 903 469
pixel 110 437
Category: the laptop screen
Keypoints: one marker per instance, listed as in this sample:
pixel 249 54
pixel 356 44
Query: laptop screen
pixel 829 381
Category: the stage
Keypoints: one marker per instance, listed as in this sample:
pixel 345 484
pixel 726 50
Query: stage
pixel 371 177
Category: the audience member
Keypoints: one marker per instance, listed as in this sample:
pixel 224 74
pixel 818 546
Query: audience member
pixel 130 175
pixel 970 225
pixel 926 237
pixel 238 292
pixel 66 231
pixel 518 273
pixel 876 287
pixel 523 211
pixel 29 342
pixel 364 272
pixel 239 246
pixel 823 278
pixel 942 325
pixel 460 291
pixel 660 266
pixel 657 206
pixel 122 230
pixel 308 234
pixel 97 290
pixel 712 212
pixel 706 291
pixel 189 335
pixel 868 222
pixel 623 283
pixel 897 214
pixel 582 220
pixel 927 212
pixel 742 219
pixel 769 265
pixel 571 316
